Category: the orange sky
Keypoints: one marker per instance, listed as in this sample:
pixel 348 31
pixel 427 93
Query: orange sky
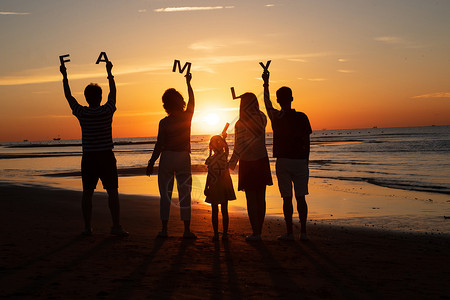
pixel 350 64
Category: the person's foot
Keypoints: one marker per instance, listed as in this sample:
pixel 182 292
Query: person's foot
pixel 162 235
pixel 189 235
pixel 215 238
pixel 87 232
pixel 225 237
pixel 304 236
pixel 253 238
pixel 119 231
pixel 286 237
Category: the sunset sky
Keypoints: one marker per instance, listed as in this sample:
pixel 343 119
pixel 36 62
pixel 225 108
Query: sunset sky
pixel 350 63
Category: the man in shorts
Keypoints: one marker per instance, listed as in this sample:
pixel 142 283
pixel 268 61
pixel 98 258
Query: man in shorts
pixel 291 144
pixel 98 159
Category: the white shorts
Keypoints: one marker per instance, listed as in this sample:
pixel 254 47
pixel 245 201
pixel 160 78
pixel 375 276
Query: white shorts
pixel 292 171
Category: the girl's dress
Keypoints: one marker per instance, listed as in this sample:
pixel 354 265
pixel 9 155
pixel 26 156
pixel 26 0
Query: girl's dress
pixel 220 185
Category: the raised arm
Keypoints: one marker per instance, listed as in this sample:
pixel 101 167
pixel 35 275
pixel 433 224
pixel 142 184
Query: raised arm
pixel 72 101
pixel 112 84
pixel 191 103
pixel 267 102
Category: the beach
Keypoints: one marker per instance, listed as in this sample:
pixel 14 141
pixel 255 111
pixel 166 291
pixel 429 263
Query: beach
pixel 378 223
pixel 43 255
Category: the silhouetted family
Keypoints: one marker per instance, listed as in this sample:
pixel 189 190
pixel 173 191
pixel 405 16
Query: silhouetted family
pixel 291 147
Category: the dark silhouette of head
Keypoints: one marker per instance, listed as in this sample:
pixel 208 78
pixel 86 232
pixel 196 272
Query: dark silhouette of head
pixel 173 101
pixel 93 94
pixel 284 97
pixel 217 144
pixel 249 106
pixel 250 115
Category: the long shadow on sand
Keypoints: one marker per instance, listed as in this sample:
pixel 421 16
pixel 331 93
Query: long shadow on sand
pixel 233 279
pixel 231 286
pixel 43 280
pixel 217 273
pixel 131 281
pixel 168 283
pixel 347 284
pixel 283 285
pixel 45 256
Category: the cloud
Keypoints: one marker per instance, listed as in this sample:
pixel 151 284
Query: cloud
pixel 199 90
pixel 47 74
pixel 342 60
pixel 50 117
pixel 398 41
pixel 118 113
pixel 219 109
pixel 202 64
pixel 392 40
pixel 206 45
pixel 211 45
pixel 191 8
pixel 41 92
pixel 441 95
pixel 297 59
pixel 139 113
pixel 313 79
pixel 142 10
pixel 346 71
pixel 14 13
pixel 269 5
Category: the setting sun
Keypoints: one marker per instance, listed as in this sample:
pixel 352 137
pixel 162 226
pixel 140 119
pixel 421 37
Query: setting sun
pixel 212 119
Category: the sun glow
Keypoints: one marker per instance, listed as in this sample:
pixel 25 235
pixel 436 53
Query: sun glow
pixel 212 119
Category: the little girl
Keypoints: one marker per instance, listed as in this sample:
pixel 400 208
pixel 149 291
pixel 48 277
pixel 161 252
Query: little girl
pixel 219 187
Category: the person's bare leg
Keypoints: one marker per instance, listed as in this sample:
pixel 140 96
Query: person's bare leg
pixel 86 207
pixel 288 210
pixel 252 210
pixel 114 206
pixel 215 219
pixel 187 230
pixel 164 225
pixel 261 194
pixel 225 218
pixel 302 208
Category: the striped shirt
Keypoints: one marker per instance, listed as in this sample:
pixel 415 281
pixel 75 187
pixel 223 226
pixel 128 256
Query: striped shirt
pixel 96 129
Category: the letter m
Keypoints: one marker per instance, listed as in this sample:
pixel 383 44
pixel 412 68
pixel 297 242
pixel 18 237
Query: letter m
pixel 181 70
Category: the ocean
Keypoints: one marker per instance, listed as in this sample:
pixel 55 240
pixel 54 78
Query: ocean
pixel 413 162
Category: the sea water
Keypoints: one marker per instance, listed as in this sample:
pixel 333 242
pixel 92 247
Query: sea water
pixel 413 161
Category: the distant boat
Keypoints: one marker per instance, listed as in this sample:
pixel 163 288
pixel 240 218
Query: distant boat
pixel 374 127
pixel 25 140
pixel 57 139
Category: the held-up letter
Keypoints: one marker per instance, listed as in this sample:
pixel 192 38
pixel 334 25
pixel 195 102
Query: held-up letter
pixel 176 63
pixel 265 67
pixel 233 94
pixel 62 60
pixel 99 59
pixel 224 131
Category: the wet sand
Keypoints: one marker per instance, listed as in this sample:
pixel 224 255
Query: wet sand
pixel 42 255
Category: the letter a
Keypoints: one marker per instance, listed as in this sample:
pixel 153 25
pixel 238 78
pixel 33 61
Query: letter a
pixel 176 63
pixel 62 60
pixel 99 59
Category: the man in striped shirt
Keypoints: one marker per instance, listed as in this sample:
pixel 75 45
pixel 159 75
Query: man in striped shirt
pixel 98 158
